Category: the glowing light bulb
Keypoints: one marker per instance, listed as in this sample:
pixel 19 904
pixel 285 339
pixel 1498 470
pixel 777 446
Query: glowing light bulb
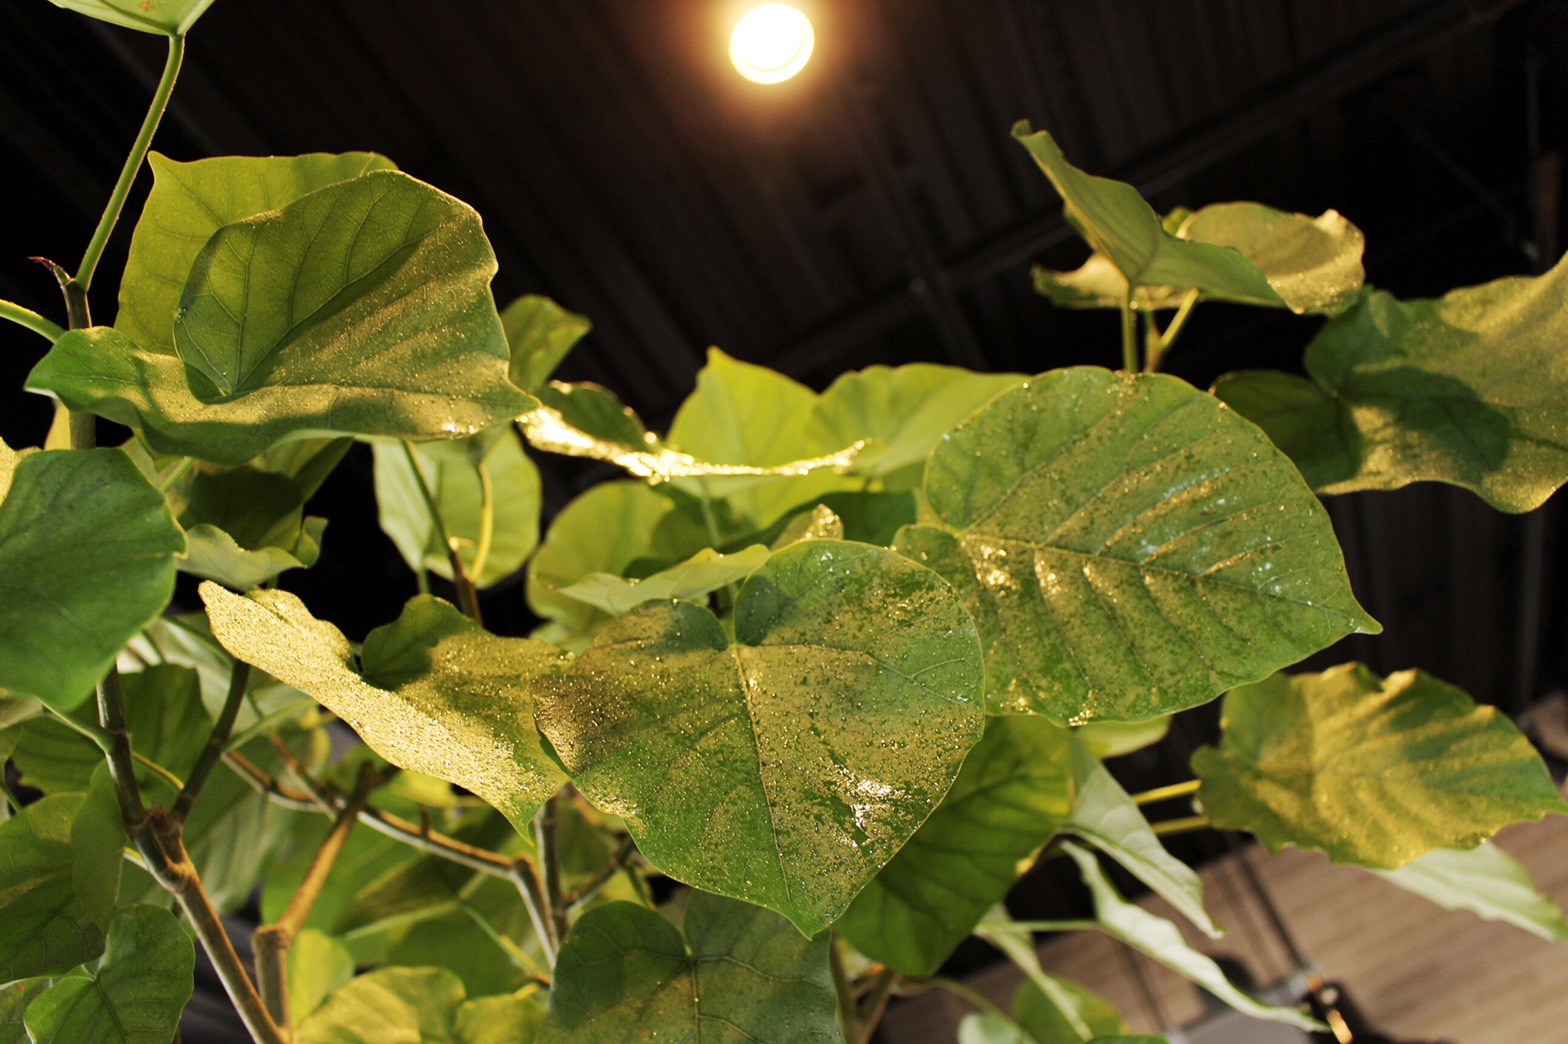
pixel 771 43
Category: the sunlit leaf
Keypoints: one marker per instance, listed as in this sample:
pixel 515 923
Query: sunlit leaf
pixel 436 694
pixel 1128 547
pixel 45 927
pixel 1161 940
pixel 133 995
pixel 191 201
pixel 1119 224
pixel 70 519
pixel 362 308
pixel 1014 791
pixel 317 965
pixel 689 581
pixel 1372 772
pixel 1313 264
pixel 820 523
pixel 787 765
pixel 173 17
pixel 427 1005
pixel 991 1027
pixel 1486 881
pixel 539 333
pixel 626 974
pixel 1106 817
pixel 1469 389
pixel 464 475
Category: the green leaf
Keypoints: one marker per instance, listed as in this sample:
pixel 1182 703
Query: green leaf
pixel 1106 817
pixel 903 411
pixel 135 993
pixel 71 519
pixel 1118 223
pixel 171 17
pixel 14 999
pixel 991 1027
pixel 45 927
pixel 191 201
pixel 97 847
pixel 437 694
pixel 317 965
pixel 500 1020
pixel 786 766
pixel 1313 264
pixel 1052 1018
pixel 625 973
pixel 820 523
pixel 1128 547
pixel 455 942
pixel 464 475
pixel 244 526
pixel 1372 772
pixel 1486 881
pixel 539 333
pixel 1467 389
pixel 1113 739
pixel 1161 940
pixel 1017 945
pixel 1014 791
pixel 362 308
pixel 389 1006
pixel 690 581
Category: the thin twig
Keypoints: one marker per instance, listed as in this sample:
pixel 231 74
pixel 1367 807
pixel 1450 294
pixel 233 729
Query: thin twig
pixel 1181 826
pixel 601 876
pixel 874 1004
pixel 30 319
pixel 467 595
pixel 550 869
pixel 239 680
pixel 522 875
pixel 1175 790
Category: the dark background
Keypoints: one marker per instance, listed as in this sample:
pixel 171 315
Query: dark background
pixel 873 210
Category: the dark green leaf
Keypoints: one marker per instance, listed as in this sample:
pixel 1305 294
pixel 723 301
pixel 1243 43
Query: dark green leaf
pixel 437 694
pixel 464 475
pixel 362 308
pixel 1469 389
pixel 97 847
pixel 244 526
pixel 14 999
pixel 539 333
pixel 173 17
pixel 1486 881
pixel 1372 772
pixel 135 993
pixel 455 942
pixel 1128 547
pixel 1014 791
pixel 1050 1019
pixel 787 766
pixel 626 974
pixel 191 201
pixel 69 520
pixel 45 927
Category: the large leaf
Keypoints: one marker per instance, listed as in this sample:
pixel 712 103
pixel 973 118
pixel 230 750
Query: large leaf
pixel 191 201
pixel 903 410
pixel 1128 547
pixel 1014 791
pixel 244 526
pixel 1106 817
pixel 417 1005
pixel 465 476
pixel 539 333
pixel 45 927
pixel 688 581
pixel 70 521
pixel 133 995
pixel 1486 881
pixel 787 765
pixel 172 17
pixel 1470 389
pixel 1161 940
pixel 362 308
pixel 1119 224
pixel 626 974
pixel 1372 772
pixel 436 694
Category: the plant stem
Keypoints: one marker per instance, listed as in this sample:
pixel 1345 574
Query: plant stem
pixel 875 1002
pixel 467 596
pixel 523 876
pixel 550 869
pixel 174 476
pixel 122 769
pixel 970 994
pixel 848 1017
pixel 1129 333
pixel 602 876
pixel 1168 338
pixel 1181 826
pixel 239 679
pixel 1175 790
pixel 1026 927
pixel 271 942
pixel 486 519
pixel 100 739
pixel 133 164
pixel 30 319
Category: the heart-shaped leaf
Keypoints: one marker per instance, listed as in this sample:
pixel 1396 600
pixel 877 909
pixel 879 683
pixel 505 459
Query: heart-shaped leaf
pixel 135 992
pixel 436 693
pixel 1014 791
pixel 1373 772
pixel 1486 881
pixel 784 767
pixel 171 17
pixel 191 201
pixel 626 974
pixel 1470 389
pixel 69 519
pixel 362 308
pixel 1128 547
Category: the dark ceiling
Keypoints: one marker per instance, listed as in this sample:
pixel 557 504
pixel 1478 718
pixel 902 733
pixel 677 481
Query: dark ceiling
pixel 875 209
